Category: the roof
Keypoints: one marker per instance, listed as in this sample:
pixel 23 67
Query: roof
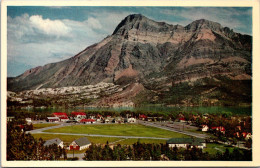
pixel 60 114
pixel 82 141
pixel 192 141
pixel 77 113
pixel 52 141
pixel 87 120
pixel 220 128
pixel 143 116
pixel 64 118
pixel 51 118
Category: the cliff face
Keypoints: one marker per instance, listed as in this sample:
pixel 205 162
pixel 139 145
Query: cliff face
pixel 153 54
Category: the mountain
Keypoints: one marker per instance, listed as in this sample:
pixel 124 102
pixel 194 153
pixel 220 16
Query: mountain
pixel 149 57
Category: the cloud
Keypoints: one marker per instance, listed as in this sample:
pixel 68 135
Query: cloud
pixel 34 41
pixel 227 17
pixel 93 23
pixel 49 27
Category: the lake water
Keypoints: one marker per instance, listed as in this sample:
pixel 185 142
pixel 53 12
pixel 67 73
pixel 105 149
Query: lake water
pixel 163 109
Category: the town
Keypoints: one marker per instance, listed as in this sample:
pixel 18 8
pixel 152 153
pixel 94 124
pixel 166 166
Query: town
pixel 89 131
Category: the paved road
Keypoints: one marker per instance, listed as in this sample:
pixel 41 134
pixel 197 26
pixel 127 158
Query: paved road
pixel 158 125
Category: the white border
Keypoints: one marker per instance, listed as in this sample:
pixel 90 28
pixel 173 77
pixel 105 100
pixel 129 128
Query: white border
pixel 216 3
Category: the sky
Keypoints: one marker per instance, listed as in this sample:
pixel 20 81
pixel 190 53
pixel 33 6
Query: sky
pixel 38 35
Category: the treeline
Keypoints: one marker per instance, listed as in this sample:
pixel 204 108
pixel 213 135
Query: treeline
pixel 22 146
pixel 142 151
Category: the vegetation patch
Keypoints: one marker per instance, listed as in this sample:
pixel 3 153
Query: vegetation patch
pixel 38 126
pixel 119 130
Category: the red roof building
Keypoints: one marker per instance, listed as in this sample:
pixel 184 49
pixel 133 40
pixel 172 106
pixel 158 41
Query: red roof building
pixel 142 117
pixel 60 114
pixel 87 121
pixel 220 128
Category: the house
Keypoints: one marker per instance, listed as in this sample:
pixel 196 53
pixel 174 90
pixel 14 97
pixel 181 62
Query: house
pixel 78 115
pixel 246 135
pixel 53 119
pixel 131 120
pixel 204 128
pixel 239 128
pixel 182 119
pixel 206 116
pixel 219 128
pixel 56 141
pixel 10 118
pixel 80 144
pixel 99 117
pixel 62 116
pixel 87 121
pixel 28 120
pixel 118 120
pixel 21 127
pixel 185 142
pixel 142 117
pixel 64 119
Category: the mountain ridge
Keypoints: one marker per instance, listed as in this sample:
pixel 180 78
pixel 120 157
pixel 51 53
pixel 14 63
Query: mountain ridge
pixel 154 55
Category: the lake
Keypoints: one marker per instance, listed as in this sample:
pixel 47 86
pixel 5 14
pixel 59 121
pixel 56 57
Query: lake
pixel 163 109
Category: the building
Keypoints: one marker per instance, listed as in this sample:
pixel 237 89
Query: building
pixel 247 135
pixel 53 119
pixel 142 117
pixel 10 118
pixel 131 120
pixel 80 144
pixel 185 142
pixel 204 128
pixel 56 141
pixel 220 128
pixel 118 120
pixel 182 119
pixel 62 116
pixel 28 120
pixel 78 115
pixel 87 121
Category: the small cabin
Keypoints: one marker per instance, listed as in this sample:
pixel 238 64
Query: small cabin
pixel 56 141
pixel 80 144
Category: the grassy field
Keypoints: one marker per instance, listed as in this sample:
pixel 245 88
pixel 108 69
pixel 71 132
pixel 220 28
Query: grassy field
pixel 147 141
pixel 213 148
pixel 38 126
pixel 119 130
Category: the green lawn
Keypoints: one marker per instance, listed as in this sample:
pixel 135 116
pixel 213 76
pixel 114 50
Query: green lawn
pixel 119 130
pixel 38 126
pixel 132 141
pixel 213 148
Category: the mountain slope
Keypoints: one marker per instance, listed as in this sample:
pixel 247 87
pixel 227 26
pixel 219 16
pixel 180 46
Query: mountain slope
pixel 154 54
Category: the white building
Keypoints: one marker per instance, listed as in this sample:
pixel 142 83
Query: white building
pixel 131 120
pixel 185 142
pixel 54 141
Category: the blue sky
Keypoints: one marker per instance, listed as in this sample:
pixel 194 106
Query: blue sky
pixel 40 35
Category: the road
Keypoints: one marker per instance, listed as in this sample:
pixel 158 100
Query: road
pixel 159 125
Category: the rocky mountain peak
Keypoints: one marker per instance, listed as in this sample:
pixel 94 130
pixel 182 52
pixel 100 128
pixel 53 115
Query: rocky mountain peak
pixel 203 23
pixel 140 23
